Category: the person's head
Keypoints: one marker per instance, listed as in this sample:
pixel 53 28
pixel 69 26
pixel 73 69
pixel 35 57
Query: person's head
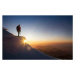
pixel 19 25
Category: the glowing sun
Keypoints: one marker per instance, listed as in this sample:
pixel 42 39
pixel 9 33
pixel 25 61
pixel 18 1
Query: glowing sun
pixel 24 40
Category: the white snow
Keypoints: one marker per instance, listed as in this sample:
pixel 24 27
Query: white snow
pixel 15 48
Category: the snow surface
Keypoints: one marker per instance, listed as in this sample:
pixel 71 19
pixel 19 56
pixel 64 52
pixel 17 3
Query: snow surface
pixel 15 48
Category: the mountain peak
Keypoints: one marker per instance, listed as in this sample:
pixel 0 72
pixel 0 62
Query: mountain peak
pixel 15 48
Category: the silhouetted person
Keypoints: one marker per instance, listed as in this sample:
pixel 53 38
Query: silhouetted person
pixel 18 29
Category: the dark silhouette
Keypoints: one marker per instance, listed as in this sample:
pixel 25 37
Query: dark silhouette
pixel 18 29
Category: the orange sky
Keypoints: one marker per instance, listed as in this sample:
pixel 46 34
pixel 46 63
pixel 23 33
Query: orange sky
pixel 47 42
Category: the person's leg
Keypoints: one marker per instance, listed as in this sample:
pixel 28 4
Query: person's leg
pixel 18 33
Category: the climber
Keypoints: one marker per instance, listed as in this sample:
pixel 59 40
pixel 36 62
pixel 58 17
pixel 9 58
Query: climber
pixel 18 29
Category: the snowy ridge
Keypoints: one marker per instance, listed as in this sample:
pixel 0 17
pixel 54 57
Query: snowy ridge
pixel 14 48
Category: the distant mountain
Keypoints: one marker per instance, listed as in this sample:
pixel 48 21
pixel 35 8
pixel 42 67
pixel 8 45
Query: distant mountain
pixel 15 48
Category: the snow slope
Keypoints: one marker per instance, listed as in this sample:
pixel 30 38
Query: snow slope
pixel 15 48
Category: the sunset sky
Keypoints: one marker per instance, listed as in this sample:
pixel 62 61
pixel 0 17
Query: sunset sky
pixel 41 28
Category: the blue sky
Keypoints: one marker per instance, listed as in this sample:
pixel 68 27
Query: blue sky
pixel 41 28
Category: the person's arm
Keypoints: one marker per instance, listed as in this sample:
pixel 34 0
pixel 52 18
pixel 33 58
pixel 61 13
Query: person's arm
pixel 20 29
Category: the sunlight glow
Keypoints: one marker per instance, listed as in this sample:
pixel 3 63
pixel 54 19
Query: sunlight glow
pixel 24 41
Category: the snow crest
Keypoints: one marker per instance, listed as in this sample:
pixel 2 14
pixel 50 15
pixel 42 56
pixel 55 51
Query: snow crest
pixel 15 48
